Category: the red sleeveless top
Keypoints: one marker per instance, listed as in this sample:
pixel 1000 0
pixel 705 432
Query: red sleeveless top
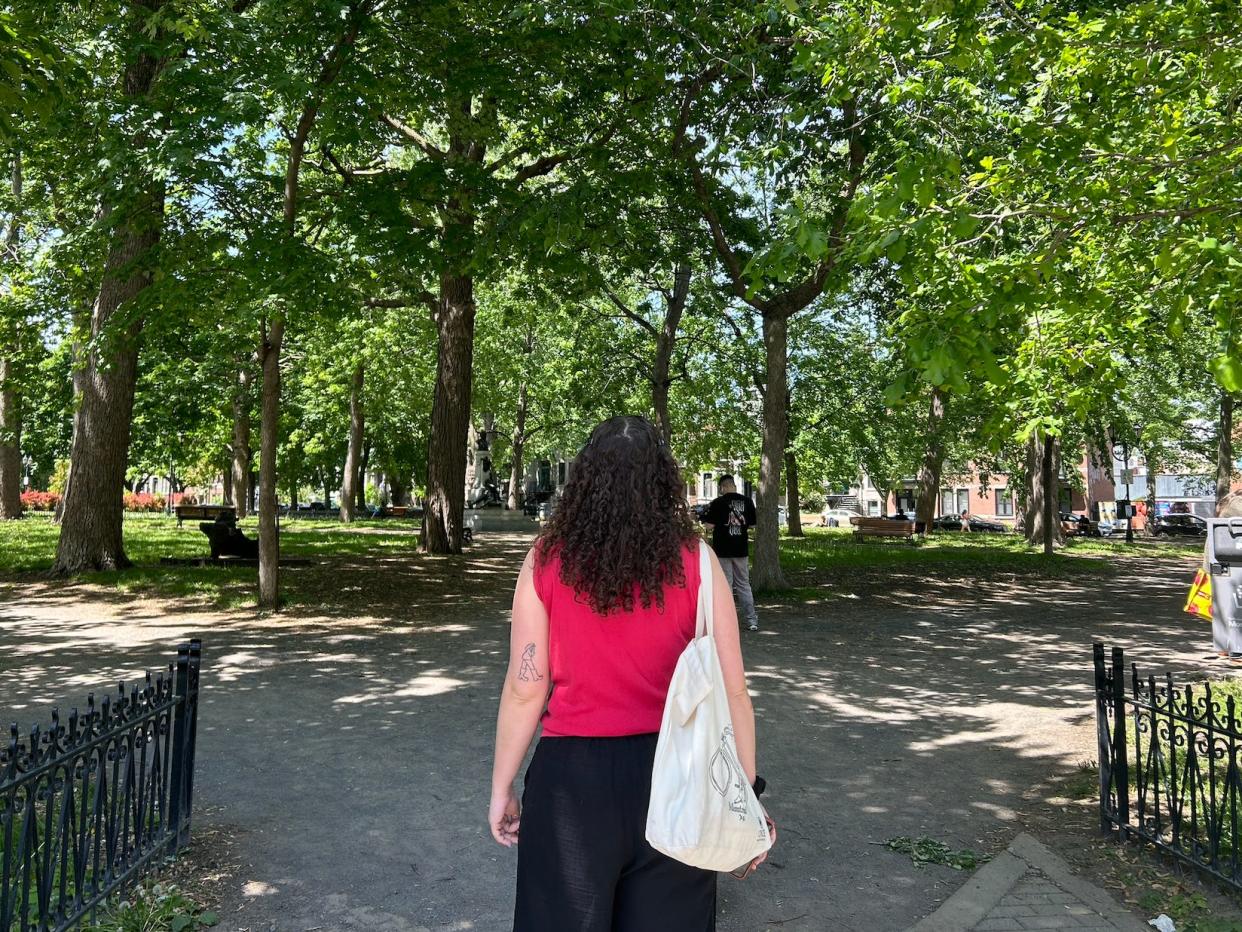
pixel 610 674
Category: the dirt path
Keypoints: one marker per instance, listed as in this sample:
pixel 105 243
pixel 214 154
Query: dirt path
pixel 349 752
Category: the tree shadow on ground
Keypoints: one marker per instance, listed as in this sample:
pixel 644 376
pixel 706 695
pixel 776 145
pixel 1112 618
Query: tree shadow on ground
pixel 351 741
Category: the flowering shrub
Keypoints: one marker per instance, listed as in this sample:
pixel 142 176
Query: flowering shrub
pixel 40 501
pixel 143 501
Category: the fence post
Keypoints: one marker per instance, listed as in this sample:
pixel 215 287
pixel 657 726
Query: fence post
pixel 1121 756
pixel 177 782
pixel 191 717
pixel 1103 741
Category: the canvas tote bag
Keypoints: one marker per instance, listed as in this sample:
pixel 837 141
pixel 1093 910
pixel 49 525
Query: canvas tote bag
pixel 703 811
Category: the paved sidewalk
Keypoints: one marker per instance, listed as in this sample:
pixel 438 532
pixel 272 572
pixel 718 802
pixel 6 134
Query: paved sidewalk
pixel 345 749
pixel 1029 887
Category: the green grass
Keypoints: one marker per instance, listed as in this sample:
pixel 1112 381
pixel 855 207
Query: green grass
pixel 28 549
pixel 836 549
pixel 154 907
pixel 825 564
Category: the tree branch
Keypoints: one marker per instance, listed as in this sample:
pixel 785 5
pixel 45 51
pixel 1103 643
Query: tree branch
pixel 732 264
pixel 547 163
pixel 632 315
pixel 422 142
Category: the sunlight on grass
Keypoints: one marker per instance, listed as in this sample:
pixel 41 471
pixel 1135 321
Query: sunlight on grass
pixel 825 565
pixel 28 549
pixel 829 559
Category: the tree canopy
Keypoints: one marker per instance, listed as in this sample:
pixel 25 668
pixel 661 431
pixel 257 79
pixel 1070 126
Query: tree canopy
pixel 816 239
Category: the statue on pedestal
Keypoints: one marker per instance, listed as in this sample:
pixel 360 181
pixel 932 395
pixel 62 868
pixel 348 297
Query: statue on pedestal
pixel 482 490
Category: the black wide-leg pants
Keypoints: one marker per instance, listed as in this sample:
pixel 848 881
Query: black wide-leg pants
pixel 584 864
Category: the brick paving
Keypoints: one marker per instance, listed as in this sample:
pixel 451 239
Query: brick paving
pixel 1029 887
pixel 1035 902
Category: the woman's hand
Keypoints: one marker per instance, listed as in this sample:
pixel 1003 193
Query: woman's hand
pixel 504 816
pixel 743 872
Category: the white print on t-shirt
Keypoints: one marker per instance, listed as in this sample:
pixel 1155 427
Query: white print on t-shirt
pixel 737 518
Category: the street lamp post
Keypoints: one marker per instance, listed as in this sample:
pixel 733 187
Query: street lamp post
pixel 1126 474
pixel 1125 448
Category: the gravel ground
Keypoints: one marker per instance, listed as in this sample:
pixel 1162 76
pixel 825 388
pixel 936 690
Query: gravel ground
pixel 346 753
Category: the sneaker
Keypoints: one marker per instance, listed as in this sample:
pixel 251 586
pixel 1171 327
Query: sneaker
pixel 753 626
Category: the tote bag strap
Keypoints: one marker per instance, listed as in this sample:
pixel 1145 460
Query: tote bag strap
pixel 705 614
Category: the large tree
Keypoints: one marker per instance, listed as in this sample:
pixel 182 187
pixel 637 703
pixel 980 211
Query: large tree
pixel 488 127
pixel 132 211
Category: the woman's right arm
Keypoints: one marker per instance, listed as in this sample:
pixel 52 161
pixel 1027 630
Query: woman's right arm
pixel 729 649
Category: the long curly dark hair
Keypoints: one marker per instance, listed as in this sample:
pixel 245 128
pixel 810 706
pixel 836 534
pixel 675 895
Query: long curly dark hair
pixel 622 521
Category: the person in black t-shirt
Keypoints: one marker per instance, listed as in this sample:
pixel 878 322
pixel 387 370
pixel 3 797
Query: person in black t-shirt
pixel 730 517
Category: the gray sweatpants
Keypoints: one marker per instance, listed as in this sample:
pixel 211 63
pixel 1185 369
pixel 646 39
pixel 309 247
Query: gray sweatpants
pixel 737 572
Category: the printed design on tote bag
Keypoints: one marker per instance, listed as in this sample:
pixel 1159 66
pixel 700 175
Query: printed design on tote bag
pixel 727 775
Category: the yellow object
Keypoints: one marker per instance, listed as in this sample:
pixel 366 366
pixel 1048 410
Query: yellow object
pixel 1199 602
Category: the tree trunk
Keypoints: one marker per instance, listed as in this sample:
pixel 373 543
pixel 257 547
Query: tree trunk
pixel 353 455
pixel 274 331
pixel 660 390
pixel 92 507
pixel 398 490
pixel 883 494
pixel 450 414
pixel 228 483
pixel 793 508
pixel 10 444
pixel 666 343
pixel 1051 493
pixel 269 437
pixel 10 400
pixel 90 533
pixel 1040 511
pixel 1224 452
pixel 517 472
pixel 361 502
pixel 766 573
pixel 241 444
pixel 933 463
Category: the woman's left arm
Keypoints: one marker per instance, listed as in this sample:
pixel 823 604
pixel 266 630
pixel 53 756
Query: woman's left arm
pixel 521 701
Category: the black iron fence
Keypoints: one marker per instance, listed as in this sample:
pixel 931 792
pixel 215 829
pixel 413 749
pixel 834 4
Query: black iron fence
pixel 89 804
pixel 1169 766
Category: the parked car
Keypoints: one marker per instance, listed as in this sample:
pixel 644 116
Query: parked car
pixel 1180 526
pixel 838 517
pixel 1073 525
pixel 977 525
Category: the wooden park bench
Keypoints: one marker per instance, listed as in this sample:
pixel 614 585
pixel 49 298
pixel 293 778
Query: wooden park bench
pixel 204 512
pixel 884 527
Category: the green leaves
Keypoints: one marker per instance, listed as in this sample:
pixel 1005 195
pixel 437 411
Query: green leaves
pixel 924 850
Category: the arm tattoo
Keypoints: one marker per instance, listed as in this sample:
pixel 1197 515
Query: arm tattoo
pixel 528 671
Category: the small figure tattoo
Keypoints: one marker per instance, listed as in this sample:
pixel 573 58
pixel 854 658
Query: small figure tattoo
pixel 529 672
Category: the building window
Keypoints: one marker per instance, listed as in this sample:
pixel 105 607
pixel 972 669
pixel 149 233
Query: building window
pixel 707 485
pixel 963 501
pixel 562 473
pixel 873 507
pixel 1004 504
pixel 946 502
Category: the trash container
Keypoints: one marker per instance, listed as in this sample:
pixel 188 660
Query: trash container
pixel 1224 558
